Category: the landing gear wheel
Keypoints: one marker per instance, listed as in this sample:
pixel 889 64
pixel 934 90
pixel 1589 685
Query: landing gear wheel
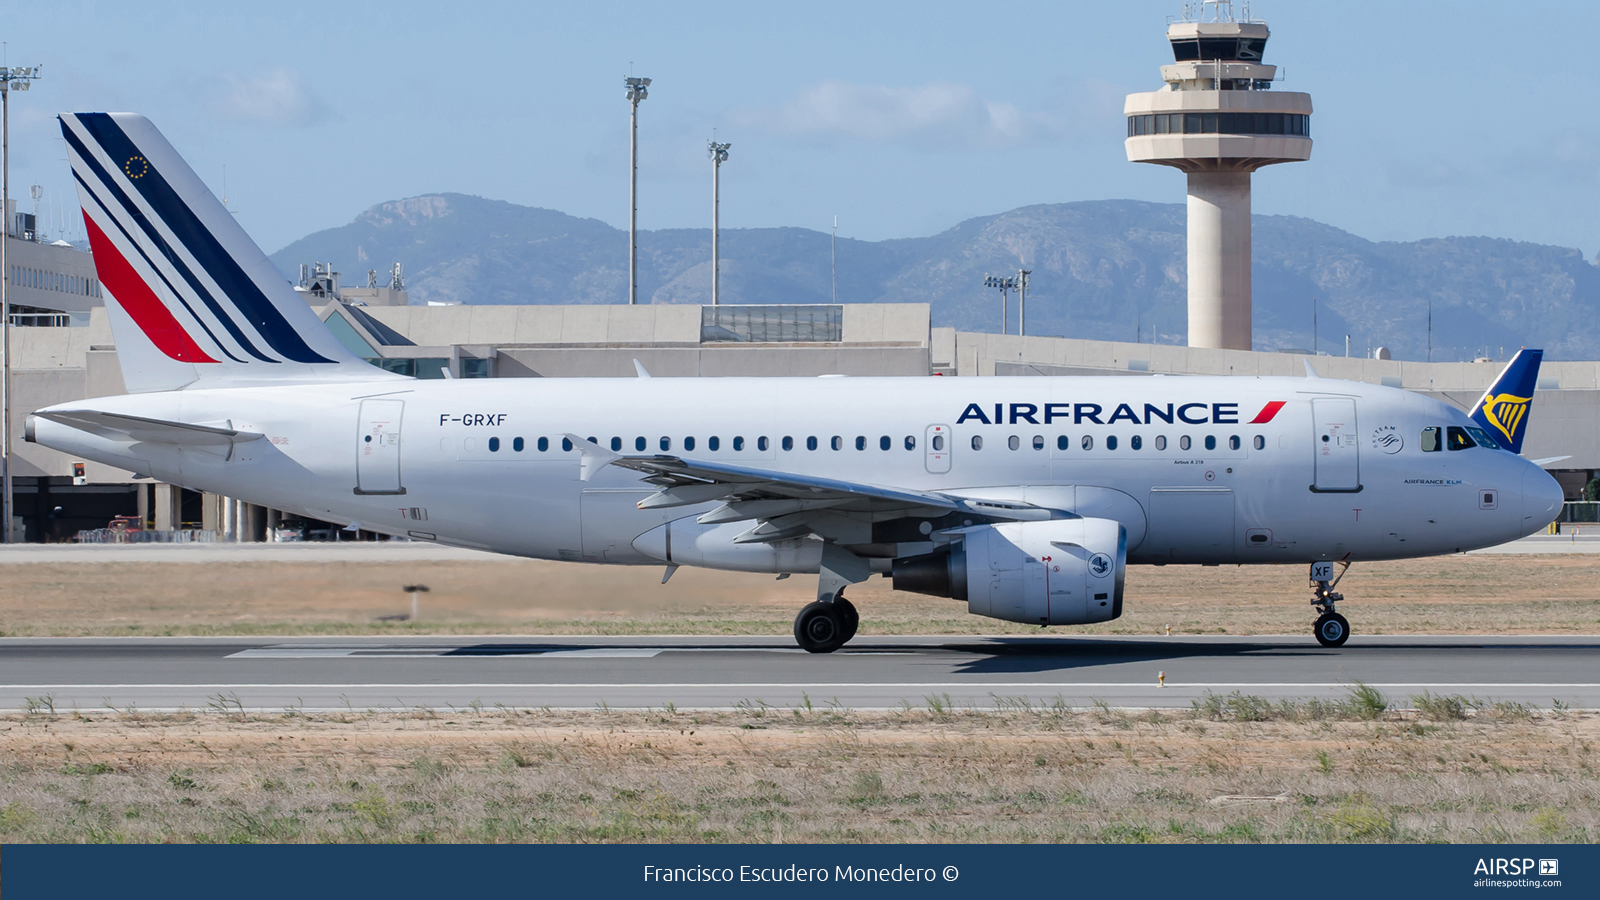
pixel 1332 630
pixel 848 614
pixel 819 628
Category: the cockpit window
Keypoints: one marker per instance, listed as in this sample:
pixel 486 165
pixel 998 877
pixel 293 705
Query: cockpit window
pixel 1484 438
pixel 1459 439
pixel 1430 439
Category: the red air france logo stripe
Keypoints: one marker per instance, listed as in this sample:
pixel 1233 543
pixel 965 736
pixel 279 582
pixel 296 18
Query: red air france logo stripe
pixel 141 304
pixel 1267 413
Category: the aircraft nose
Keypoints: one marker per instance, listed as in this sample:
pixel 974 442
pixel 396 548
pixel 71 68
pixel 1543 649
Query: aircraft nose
pixel 1541 499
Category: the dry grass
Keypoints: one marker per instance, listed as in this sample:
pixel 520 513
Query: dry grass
pixel 1455 594
pixel 1237 770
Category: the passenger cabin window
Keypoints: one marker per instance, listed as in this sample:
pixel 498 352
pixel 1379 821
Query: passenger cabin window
pixel 1183 442
pixel 1430 440
pixel 1038 442
pixel 837 443
pixel 566 444
pixel 494 445
pixel 977 442
pixel 1260 443
pixel 666 443
pixel 1211 442
pixel 938 442
pixel 1458 438
pixel 911 442
pixel 1013 442
pixel 1088 442
pixel 811 443
pixel 1161 442
pixel 1233 442
pixel 639 443
pixel 738 444
pixel 544 444
pixel 885 443
pixel 861 442
pixel 616 444
pixel 762 444
pixel 1135 443
pixel 713 442
pixel 1063 442
pixel 517 444
pixel 788 443
pixel 1111 442
pixel 688 443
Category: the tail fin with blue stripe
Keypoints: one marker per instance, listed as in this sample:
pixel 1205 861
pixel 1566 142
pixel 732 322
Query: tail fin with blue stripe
pixel 193 302
pixel 1503 408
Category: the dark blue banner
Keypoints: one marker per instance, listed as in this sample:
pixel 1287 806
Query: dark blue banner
pixel 393 872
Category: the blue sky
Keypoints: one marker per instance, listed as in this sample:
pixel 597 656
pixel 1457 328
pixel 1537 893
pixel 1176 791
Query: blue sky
pixel 1432 118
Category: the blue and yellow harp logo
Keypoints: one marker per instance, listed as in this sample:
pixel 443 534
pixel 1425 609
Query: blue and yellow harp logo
pixel 1505 412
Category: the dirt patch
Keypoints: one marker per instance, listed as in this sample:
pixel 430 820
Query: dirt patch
pixel 1455 594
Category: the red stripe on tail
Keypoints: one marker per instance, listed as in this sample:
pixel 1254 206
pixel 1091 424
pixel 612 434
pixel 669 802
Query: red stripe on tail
pixel 1267 412
pixel 146 309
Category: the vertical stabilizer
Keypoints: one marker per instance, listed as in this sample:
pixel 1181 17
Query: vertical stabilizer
pixel 1503 408
pixel 193 302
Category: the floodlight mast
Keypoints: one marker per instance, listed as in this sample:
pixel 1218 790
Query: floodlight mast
pixel 638 89
pixel 1005 285
pixel 1022 300
pixel 13 78
pixel 719 155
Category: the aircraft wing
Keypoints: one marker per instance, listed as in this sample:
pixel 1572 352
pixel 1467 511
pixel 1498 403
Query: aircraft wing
pixel 787 505
pixel 119 427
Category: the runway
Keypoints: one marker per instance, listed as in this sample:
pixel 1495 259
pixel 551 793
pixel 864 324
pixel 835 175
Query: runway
pixel 699 672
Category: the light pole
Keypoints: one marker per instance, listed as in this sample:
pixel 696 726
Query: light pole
pixel 833 259
pixel 14 78
pixel 1005 285
pixel 1022 300
pixel 638 89
pixel 719 155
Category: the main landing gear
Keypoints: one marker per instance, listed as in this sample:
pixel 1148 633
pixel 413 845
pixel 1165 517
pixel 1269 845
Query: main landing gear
pixel 1331 629
pixel 825 625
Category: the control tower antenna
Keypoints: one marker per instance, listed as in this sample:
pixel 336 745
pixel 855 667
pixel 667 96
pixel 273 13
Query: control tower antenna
pixel 1217 119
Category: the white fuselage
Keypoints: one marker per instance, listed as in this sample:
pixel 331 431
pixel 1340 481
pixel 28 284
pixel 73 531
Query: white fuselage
pixel 1272 492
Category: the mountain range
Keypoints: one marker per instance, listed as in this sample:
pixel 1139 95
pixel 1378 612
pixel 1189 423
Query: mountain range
pixel 1106 269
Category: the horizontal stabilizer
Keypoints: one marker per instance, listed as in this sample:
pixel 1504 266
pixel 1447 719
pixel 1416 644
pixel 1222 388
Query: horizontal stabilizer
pixel 119 427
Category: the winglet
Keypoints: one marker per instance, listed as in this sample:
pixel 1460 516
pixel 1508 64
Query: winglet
pixel 1503 408
pixel 1310 372
pixel 595 457
pixel 639 367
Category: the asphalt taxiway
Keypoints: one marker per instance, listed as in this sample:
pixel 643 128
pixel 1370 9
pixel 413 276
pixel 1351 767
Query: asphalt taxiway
pixel 701 672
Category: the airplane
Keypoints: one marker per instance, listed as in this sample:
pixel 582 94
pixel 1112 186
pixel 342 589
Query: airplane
pixel 1025 497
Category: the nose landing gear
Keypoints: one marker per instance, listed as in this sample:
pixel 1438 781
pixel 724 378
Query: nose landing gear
pixel 1331 629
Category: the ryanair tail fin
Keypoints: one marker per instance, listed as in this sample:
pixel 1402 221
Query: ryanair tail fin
pixel 1503 408
pixel 193 302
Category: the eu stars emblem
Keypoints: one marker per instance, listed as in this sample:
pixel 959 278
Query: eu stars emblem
pixel 136 167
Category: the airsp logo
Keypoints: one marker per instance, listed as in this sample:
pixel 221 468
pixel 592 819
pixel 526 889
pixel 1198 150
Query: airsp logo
pixel 1387 438
pixel 1099 565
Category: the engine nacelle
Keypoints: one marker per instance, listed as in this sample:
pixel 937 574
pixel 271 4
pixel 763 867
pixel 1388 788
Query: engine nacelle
pixel 688 543
pixel 1059 572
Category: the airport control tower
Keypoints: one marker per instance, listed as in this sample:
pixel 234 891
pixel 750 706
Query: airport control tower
pixel 1217 120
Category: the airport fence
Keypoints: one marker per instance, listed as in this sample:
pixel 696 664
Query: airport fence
pixel 1580 511
pixel 119 536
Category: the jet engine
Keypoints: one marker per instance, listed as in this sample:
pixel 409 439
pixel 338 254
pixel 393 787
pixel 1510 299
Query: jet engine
pixel 1058 572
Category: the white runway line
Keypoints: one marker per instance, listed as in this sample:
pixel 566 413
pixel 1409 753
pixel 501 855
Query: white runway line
pixel 439 652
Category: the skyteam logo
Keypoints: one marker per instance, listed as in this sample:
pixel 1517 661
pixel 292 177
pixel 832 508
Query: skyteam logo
pixel 1505 413
pixel 1387 439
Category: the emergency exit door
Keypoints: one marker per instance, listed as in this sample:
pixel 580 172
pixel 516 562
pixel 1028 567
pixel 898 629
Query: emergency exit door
pixel 1338 452
pixel 378 447
pixel 937 449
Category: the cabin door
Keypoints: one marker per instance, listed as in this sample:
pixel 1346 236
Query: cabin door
pixel 378 447
pixel 1338 453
